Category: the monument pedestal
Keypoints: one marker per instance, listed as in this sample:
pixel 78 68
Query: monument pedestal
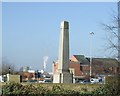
pixel 56 78
pixel 64 77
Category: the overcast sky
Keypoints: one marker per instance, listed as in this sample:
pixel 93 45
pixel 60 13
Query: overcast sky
pixel 31 30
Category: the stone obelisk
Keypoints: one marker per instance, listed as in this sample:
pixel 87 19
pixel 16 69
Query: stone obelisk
pixel 63 75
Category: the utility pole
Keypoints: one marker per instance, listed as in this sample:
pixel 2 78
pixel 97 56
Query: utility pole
pixel 91 34
pixel 9 70
pixel 119 31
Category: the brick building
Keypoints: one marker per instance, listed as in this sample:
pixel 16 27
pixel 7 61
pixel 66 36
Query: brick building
pixel 27 76
pixel 79 66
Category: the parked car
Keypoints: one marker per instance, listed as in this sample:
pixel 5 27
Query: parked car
pixel 94 80
pixel 41 81
pixel 48 81
pixel 32 81
pixel 85 82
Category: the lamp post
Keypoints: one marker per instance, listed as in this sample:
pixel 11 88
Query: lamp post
pixel 118 28
pixel 9 70
pixel 119 31
pixel 91 34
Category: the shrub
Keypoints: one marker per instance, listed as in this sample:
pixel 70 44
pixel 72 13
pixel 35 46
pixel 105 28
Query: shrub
pixel 38 90
pixel 107 90
pixel 57 89
pixel 114 80
pixel 29 89
pixel 84 89
pixel 16 88
pixel 42 90
pixel 12 88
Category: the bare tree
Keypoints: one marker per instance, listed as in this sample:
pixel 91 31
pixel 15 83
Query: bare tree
pixel 113 35
pixel 7 67
pixel 111 38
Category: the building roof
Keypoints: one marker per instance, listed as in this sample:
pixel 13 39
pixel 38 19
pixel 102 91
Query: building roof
pixel 82 59
pixel 107 62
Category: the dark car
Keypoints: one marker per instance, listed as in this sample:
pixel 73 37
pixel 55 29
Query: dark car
pixel 48 81
pixel 32 81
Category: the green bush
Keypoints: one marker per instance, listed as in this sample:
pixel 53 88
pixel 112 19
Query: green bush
pixel 42 90
pixel 38 90
pixel 12 88
pixel 114 80
pixel 16 88
pixel 57 89
pixel 107 90
pixel 111 88
pixel 29 89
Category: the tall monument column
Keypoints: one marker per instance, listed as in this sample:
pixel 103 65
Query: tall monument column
pixel 63 75
pixel 63 56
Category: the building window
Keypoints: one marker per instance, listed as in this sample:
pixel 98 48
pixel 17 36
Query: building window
pixel 81 68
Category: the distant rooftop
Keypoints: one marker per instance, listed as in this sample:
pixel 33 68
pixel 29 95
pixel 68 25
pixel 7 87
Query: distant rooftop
pixel 81 59
pixel 106 61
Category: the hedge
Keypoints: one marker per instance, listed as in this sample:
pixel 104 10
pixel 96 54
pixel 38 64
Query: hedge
pixel 57 89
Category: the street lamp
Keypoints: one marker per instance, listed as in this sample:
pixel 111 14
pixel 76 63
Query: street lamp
pixel 118 47
pixel 118 27
pixel 9 70
pixel 119 31
pixel 91 34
